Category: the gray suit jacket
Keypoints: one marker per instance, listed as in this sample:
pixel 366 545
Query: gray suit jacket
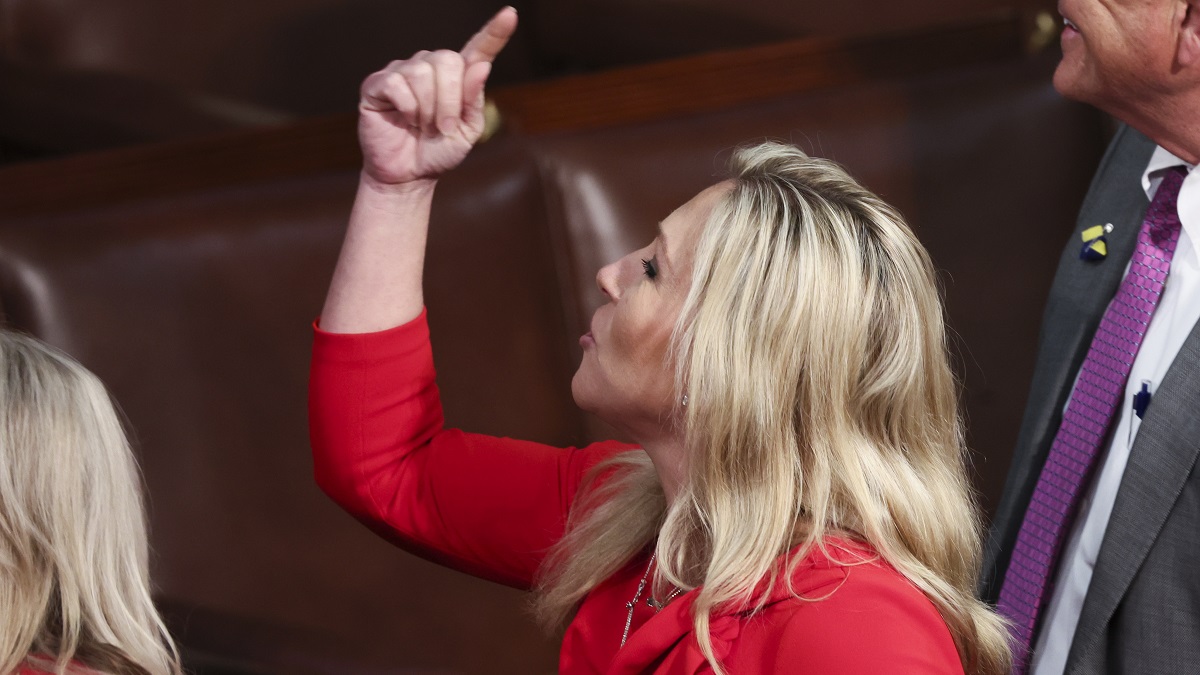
pixel 1142 611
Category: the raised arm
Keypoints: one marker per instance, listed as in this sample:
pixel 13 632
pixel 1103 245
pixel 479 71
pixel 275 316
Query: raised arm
pixel 488 506
pixel 417 120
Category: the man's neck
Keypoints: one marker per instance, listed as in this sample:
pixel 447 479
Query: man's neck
pixel 1174 124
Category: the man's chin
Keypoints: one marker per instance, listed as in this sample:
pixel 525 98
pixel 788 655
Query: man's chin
pixel 1067 80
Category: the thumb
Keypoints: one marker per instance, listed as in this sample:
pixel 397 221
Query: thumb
pixel 474 81
pixel 490 40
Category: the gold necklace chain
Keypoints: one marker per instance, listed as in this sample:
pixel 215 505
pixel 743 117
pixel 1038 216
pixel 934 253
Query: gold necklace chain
pixel 656 605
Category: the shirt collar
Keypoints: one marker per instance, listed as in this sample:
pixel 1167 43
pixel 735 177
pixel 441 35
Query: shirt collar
pixel 1189 193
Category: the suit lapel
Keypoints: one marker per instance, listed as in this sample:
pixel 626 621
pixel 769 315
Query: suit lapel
pixel 1080 294
pixel 1083 289
pixel 1160 462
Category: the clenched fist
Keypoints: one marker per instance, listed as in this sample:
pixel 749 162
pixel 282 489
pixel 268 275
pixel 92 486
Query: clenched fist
pixel 420 117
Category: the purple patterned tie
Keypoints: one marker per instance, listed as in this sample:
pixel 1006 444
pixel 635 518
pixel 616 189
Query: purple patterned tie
pixel 1098 392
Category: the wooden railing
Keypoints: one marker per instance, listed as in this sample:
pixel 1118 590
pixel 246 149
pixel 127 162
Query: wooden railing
pixel 634 94
pixel 726 79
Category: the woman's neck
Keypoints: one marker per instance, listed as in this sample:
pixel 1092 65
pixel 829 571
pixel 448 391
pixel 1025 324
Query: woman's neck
pixel 670 462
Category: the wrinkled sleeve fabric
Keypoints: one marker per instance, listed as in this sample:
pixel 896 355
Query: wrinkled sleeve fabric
pixel 491 507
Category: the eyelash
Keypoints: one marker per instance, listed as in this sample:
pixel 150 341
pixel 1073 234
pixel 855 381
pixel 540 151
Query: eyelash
pixel 649 267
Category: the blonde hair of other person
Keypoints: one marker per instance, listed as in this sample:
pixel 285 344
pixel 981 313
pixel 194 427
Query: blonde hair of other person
pixel 812 350
pixel 74 579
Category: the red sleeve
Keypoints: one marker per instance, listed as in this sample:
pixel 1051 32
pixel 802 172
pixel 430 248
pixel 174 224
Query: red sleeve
pixel 875 622
pixel 491 507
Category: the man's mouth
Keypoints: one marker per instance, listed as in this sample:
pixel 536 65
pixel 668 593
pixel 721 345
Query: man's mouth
pixel 1067 23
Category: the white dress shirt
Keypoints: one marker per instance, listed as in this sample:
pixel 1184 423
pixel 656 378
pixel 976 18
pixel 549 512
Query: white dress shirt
pixel 1178 311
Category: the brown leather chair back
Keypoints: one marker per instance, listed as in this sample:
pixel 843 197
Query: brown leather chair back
pixel 195 310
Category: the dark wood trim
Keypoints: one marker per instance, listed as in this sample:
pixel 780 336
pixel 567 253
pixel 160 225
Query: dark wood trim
pixel 718 80
pixel 113 176
pixel 662 90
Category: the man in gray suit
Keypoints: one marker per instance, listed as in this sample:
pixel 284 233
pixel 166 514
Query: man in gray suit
pixel 1103 576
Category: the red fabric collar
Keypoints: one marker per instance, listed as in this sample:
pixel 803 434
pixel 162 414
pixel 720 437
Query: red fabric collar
pixel 653 647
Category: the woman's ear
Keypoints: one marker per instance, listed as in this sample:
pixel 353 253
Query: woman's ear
pixel 1188 54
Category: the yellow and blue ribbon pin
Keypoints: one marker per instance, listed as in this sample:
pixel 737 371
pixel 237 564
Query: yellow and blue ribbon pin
pixel 1095 243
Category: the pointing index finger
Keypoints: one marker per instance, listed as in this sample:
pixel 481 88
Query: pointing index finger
pixel 490 40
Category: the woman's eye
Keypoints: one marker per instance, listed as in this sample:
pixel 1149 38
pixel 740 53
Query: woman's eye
pixel 650 267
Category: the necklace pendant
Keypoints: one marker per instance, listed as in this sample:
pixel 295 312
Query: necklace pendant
pixel 660 605
pixel 641 587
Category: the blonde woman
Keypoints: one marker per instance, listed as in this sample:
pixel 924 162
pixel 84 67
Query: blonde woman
pixel 74 583
pixel 796 501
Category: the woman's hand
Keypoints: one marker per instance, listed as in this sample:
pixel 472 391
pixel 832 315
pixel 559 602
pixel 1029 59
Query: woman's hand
pixel 419 118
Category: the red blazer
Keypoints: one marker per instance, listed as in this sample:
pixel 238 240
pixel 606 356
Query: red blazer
pixel 492 507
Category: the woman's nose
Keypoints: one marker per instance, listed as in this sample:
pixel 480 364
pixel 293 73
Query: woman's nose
pixel 606 281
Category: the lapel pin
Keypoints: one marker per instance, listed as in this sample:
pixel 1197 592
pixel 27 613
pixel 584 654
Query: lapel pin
pixel 1095 243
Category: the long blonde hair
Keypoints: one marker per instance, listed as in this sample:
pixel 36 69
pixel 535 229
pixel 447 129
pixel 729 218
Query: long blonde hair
pixel 74 574
pixel 813 352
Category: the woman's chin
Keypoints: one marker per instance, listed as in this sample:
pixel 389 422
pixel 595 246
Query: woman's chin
pixel 590 401
pixel 579 392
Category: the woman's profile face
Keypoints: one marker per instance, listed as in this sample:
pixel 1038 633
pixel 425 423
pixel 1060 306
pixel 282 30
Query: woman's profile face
pixel 625 376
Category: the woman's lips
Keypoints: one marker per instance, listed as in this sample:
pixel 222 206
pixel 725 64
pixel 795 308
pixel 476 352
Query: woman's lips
pixel 586 340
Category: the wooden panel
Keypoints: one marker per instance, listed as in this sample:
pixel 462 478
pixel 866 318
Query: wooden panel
pixel 725 79
pixel 162 169
pixel 636 94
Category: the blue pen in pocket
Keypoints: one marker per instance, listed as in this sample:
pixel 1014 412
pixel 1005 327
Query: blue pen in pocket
pixel 1141 401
